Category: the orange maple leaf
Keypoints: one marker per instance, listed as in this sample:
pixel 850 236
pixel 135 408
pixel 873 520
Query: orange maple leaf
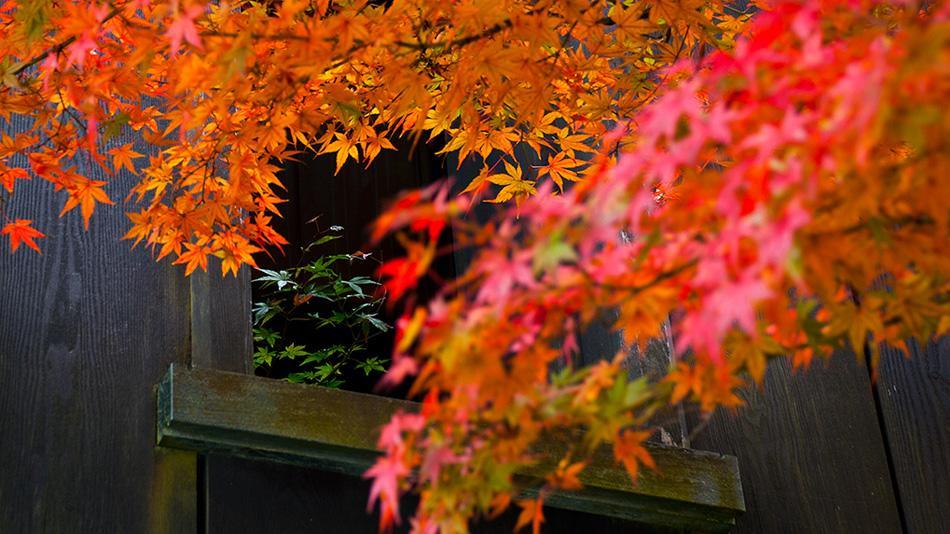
pixel 559 168
pixel 21 231
pixel 85 193
pixel 122 157
pixel 8 177
pixel 344 148
pixel 629 450
pixel 531 513
pixel 234 251
pixel 566 475
pixel 196 255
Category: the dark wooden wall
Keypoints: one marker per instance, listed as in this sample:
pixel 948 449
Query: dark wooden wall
pixel 828 450
pixel 86 331
pixel 914 400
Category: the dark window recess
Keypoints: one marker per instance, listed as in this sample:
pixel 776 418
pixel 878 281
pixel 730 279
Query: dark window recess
pixel 318 199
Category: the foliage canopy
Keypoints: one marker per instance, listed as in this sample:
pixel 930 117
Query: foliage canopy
pixel 220 91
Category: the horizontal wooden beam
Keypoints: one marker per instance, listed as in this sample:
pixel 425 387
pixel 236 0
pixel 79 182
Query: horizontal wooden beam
pixel 206 410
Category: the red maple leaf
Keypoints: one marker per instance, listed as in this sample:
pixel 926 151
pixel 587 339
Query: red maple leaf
pixel 183 29
pixel 9 177
pixel 21 231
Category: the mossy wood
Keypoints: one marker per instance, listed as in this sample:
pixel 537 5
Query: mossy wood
pixel 208 410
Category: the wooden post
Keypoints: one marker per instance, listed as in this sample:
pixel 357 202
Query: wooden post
pixel 88 328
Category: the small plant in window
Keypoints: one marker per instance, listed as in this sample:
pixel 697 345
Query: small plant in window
pixel 313 324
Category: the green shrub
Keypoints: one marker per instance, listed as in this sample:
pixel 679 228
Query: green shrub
pixel 314 325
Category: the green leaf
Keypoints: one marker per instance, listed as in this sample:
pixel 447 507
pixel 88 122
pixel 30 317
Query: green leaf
pixel 263 312
pixel 554 252
pixel 355 287
pixel 636 391
pixel 114 126
pixel 335 383
pixel 316 357
pixel 281 278
pixel 293 351
pixel 263 356
pixel 325 239
pixel 266 336
pixel 373 320
pixel 370 365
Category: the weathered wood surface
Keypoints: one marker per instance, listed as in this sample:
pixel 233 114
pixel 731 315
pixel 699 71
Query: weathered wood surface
pixel 86 331
pixel 221 320
pixel 914 395
pixel 220 339
pixel 810 452
pixel 336 431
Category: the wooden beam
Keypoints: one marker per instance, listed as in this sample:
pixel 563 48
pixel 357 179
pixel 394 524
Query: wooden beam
pixel 215 411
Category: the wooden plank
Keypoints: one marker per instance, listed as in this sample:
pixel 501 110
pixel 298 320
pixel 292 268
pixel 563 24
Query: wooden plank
pixel 221 321
pixel 220 339
pixel 87 330
pixel 173 497
pixel 811 452
pixel 336 431
pixel 915 402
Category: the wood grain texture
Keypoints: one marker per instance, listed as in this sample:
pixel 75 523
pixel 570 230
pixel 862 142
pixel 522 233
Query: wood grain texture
pixel 915 401
pixel 220 339
pixel 810 452
pixel 221 321
pixel 336 431
pixel 86 331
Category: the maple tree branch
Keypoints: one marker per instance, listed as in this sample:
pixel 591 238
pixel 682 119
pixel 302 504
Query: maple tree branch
pixel 460 41
pixel 662 277
pixel 258 36
pixel 58 47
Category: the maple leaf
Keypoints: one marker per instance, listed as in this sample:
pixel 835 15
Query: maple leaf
pixel 531 513
pixel 559 168
pixel 84 193
pixel 234 251
pixel 565 476
pixel 344 148
pixel 685 381
pixel 513 184
pixel 401 274
pixel 195 255
pixel 386 474
pixel 629 450
pixel 630 22
pixel 374 146
pixel 22 231
pixel 80 49
pixel 122 157
pixel 570 144
pixel 8 177
pixel 183 28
